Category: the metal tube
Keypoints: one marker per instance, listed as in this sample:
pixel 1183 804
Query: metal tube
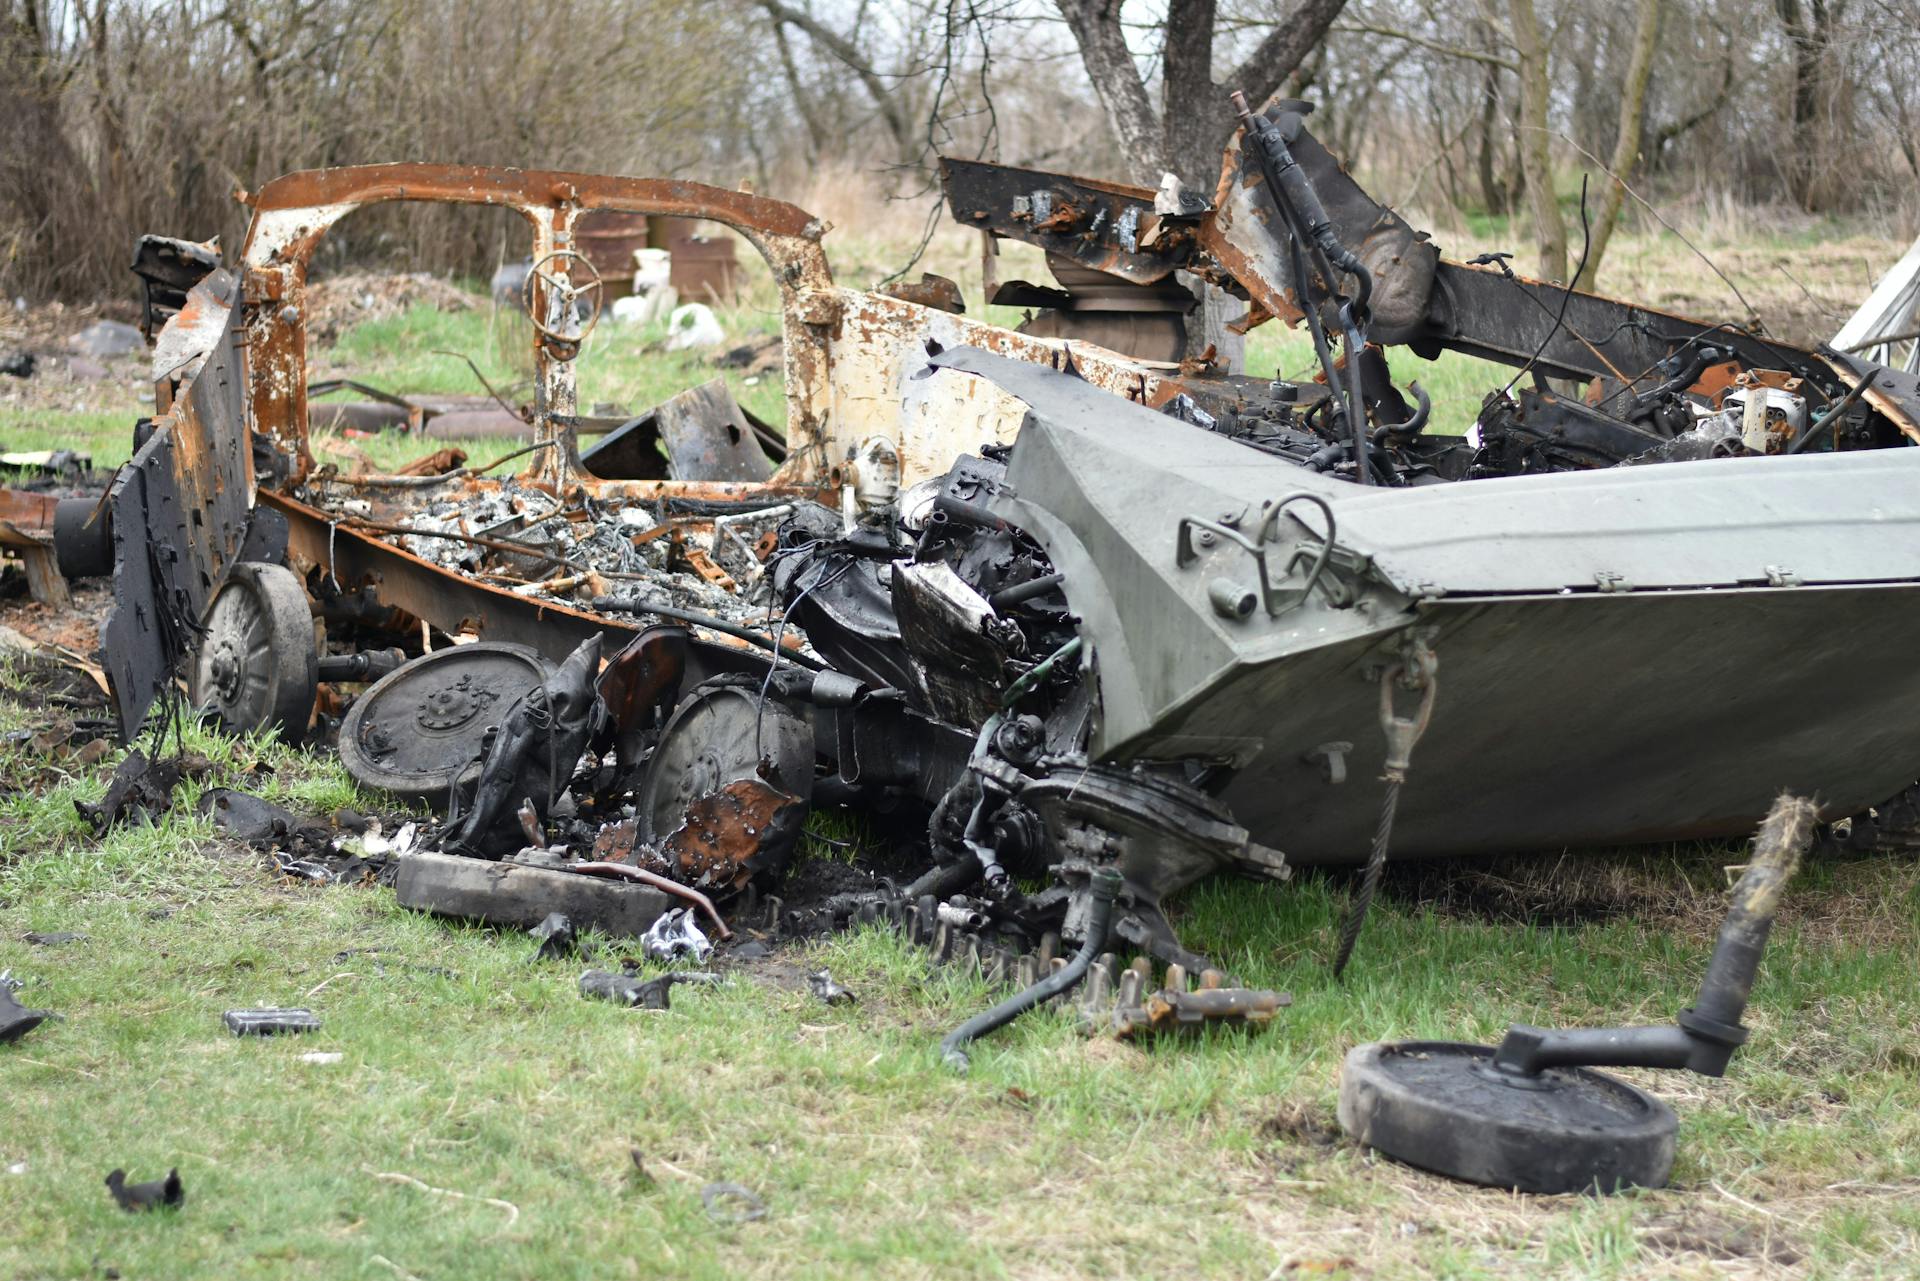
pixel 1025 591
pixel 621 605
pixel 624 872
pixel 1105 887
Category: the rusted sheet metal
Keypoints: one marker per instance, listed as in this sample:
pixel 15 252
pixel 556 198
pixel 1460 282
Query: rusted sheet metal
pixel 293 213
pixel 727 834
pixel 930 290
pixel 881 383
pixel 725 837
pixel 28 512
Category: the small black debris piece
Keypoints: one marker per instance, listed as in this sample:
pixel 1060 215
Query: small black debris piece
pixel 271 1022
pixel 627 989
pixel 53 939
pixel 16 1020
pixel 642 1177
pixel 141 790
pixel 249 818
pixel 751 950
pixel 555 935
pixel 169 1192
pixel 821 984
pixel 732 1203
pixel 632 990
pixel 18 364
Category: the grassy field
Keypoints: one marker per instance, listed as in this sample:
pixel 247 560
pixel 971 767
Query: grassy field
pixel 471 1068
pixel 483 1119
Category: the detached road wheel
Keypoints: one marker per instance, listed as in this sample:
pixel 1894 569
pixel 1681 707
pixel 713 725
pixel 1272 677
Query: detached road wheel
pixel 719 735
pixel 1444 1107
pixel 256 667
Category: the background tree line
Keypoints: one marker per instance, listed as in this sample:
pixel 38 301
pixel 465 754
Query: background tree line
pixel 127 116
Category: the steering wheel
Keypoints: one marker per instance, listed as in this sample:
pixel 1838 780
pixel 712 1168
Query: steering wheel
pixel 564 291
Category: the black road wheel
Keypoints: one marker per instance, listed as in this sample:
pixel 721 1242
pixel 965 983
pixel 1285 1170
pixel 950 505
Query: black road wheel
pixel 418 726
pixel 1444 1107
pixel 719 734
pixel 256 667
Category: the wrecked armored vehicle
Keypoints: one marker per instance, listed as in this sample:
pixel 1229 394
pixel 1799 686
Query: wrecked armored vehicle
pixel 1064 610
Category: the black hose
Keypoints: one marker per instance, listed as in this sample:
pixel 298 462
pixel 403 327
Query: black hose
pixel 1025 591
pixel 1106 887
pixel 1408 430
pixel 621 605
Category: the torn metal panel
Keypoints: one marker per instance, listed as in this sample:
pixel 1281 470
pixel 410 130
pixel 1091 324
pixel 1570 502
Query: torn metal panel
pixel 704 432
pixel 181 511
pixel 1107 226
pixel 1246 236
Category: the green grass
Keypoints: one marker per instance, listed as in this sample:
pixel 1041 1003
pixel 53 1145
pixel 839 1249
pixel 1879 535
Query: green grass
pixel 1057 1156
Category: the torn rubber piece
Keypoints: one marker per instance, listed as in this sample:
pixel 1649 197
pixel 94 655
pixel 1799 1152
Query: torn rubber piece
pixel 827 992
pixel 637 993
pixel 168 1193
pixel 556 937
pixel 16 1020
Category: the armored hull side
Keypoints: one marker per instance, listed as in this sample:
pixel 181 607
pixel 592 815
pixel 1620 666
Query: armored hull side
pixel 1625 655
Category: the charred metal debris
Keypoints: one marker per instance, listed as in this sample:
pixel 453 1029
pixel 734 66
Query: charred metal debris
pixel 1077 615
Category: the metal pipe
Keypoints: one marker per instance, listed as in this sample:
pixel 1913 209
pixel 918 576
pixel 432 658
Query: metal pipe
pixel 621 605
pixel 1025 591
pixel 1709 1030
pixel 1105 888
pixel 1832 415
pixel 622 871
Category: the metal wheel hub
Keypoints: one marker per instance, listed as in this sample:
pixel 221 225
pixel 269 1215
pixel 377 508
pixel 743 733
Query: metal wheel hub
pixel 726 789
pixel 414 730
pixel 257 667
pixel 453 706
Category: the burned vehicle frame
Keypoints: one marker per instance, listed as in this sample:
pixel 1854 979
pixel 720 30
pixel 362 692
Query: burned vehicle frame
pixel 1079 612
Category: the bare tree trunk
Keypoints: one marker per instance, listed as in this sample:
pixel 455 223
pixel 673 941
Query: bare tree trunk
pixel 1195 121
pixel 900 123
pixel 1536 158
pixel 1626 142
pixel 802 99
pixel 1493 193
pixel 1810 33
pixel 1116 82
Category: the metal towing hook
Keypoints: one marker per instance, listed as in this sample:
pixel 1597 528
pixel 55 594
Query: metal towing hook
pixel 1418 672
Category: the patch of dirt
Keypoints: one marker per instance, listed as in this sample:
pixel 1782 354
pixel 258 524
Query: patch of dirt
pixel 75 630
pixel 1303 1124
pixel 1720 1239
pixel 337 303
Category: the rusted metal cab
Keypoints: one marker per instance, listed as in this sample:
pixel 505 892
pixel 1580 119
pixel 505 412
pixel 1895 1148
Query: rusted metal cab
pixel 229 436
